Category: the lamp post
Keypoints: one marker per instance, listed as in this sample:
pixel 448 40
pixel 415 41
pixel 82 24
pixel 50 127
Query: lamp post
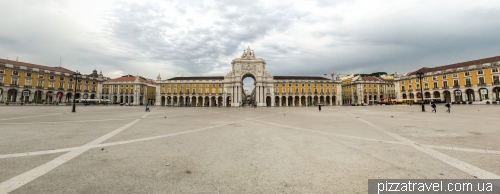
pixel 420 76
pixel 76 74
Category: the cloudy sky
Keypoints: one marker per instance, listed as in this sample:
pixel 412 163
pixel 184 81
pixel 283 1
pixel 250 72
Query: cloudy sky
pixel 194 38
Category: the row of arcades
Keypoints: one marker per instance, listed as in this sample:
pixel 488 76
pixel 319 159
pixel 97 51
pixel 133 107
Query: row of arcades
pixel 39 96
pixel 467 95
pixel 219 100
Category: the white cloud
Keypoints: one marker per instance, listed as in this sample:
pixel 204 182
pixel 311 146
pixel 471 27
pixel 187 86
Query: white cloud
pixel 202 37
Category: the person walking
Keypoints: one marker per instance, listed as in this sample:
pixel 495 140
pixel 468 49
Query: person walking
pixel 448 106
pixel 319 107
pixel 433 107
pixel 147 108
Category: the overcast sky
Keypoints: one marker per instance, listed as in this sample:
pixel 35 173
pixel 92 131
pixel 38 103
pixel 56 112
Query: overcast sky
pixel 194 38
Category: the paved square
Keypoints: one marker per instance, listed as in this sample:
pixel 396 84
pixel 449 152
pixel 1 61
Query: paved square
pixel 116 149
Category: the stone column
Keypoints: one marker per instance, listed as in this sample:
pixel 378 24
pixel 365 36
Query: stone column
pixel 238 88
pixel 257 92
pixel 286 101
pixel 272 97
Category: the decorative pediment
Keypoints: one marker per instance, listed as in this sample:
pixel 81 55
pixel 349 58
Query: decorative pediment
pixel 248 54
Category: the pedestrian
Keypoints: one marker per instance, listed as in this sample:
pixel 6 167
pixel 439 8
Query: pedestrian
pixel 147 108
pixel 433 107
pixel 448 106
pixel 319 106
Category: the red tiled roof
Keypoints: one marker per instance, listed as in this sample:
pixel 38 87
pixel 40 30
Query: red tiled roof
pixel 457 65
pixel 58 69
pixel 198 78
pixel 130 78
pixel 371 78
pixel 301 77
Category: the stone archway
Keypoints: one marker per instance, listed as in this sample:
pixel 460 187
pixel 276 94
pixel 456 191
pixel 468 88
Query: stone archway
pixel 199 102
pixel 436 96
pixel 404 96
pixel 175 101
pixel 220 101
pixel 69 97
pixel 25 98
pixel 496 93
pixel 268 101
pixel 248 94
pixel 206 101
pixel 213 102
pixel 458 95
pixel 12 95
pixel 483 94
pixel 59 97
pixel 469 94
pixel 163 100
pixel 181 101
pixel 447 96
pixel 49 96
pixel 228 101
pixel 193 101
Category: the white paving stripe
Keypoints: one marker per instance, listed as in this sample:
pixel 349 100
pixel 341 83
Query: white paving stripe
pixel 466 167
pixel 43 152
pixel 83 121
pixel 14 155
pixel 28 176
pixel 31 116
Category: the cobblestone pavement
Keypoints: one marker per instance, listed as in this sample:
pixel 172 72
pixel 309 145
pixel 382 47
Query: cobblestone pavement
pixel 118 149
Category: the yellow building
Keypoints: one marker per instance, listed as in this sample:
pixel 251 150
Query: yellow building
pixel 22 82
pixel 128 88
pixel 368 90
pixel 193 91
pixel 473 82
pixel 268 90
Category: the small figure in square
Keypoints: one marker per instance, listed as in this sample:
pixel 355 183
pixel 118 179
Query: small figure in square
pixel 433 107
pixel 448 106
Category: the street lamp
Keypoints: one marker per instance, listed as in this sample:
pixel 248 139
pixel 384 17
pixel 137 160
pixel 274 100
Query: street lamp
pixel 420 76
pixel 76 74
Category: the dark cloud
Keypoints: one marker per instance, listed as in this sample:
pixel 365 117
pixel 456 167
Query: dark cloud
pixel 295 38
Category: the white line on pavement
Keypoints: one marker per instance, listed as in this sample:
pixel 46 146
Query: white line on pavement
pixel 28 176
pixel 466 167
pixel 30 117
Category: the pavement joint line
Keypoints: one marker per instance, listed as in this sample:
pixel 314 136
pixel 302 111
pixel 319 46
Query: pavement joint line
pixel 338 135
pixel 81 121
pixel 43 152
pixel 30 116
pixel 30 175
pixel 98 120
pixel 461 165
pixel 23 154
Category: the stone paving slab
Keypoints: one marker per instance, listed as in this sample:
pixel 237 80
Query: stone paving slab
pixel 249 150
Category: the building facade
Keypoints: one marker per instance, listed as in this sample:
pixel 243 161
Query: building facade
pixel 368 90
pixel 129 89
pixel 474 82
pixel 31 83
pixel 228 90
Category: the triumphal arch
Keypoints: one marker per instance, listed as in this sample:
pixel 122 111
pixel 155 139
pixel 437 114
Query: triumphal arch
pixel 268 90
